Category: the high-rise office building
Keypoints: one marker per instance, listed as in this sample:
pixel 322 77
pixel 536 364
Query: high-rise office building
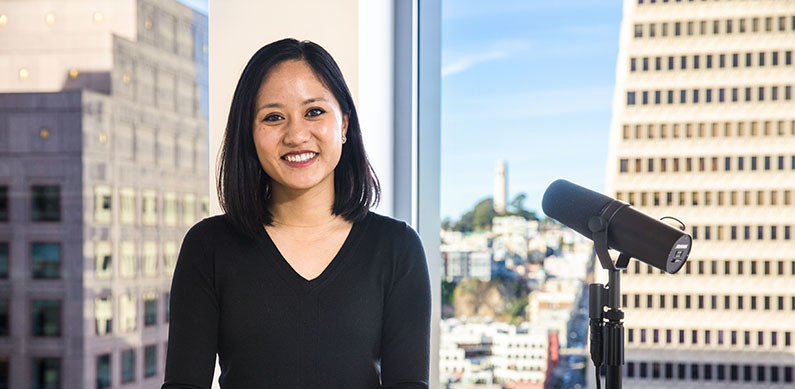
pixel 703 129
pixel 103 168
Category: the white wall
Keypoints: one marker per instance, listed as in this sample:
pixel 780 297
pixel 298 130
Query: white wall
pixel 358 34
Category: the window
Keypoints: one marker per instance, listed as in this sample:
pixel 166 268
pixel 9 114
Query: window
pixel 150 309
pixel 102 209
pixel 150 259
pixel 632 64
pixel 167 303
pixel 46 318
pixel 127 196
pixel 149 212
pixel 3 320
pixel 683 62
pixel 762 58
pixel 102 252
pixel 127 313
pixel 3 203
pixel 170 256
pixel 46 203
pixel 150 360
pixel 645 64
pixel 3 260
pixel 670 63
pixel 128 366
pixel 170 209
pixel 639 31
pixel 103 371
pixel 188 210
pixel 46 373
pixel 103 312
pixel 630 98
pixel 695 62
pixel 46 260
pixel 128 264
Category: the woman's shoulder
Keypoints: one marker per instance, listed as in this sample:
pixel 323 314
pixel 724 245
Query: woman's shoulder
pixel 396 229
pixel 212 229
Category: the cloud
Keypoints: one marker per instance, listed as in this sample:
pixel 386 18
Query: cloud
pixel 498 50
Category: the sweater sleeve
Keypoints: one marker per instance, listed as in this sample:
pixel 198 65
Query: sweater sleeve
pixel 405 336
pixel 193 321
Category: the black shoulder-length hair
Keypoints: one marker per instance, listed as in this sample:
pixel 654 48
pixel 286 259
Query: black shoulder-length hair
pixel 244 187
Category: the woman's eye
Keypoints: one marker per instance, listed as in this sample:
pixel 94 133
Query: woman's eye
pixel 272 118
pixel 315 112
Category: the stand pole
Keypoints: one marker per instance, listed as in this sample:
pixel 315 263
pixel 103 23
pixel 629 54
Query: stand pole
pixel 613 333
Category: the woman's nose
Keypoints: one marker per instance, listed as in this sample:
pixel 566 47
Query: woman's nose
pixel 296 132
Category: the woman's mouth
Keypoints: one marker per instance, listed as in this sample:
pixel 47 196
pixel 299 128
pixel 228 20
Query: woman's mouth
pixel 299 160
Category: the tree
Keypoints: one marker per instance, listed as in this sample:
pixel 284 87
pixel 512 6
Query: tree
pixel 517 204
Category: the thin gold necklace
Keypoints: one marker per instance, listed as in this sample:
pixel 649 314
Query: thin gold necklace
pixel 299 226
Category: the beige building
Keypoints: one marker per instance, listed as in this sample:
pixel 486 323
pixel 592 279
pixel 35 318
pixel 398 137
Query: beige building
pixel 704 130
pixel 103 168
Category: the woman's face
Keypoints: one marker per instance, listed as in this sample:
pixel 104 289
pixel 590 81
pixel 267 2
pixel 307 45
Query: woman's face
pixel 298 128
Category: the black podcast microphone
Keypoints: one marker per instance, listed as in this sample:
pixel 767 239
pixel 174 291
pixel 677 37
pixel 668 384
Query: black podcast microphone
pixel 630 231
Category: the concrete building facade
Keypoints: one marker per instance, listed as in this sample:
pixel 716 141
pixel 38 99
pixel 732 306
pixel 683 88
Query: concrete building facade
pixel 703 129
pixel 103 168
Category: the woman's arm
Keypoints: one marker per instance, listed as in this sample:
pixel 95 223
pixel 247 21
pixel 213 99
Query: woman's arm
pixel 193 323
pixel 405 336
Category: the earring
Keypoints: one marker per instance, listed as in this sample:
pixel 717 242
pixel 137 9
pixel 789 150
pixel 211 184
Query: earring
pixel 344 139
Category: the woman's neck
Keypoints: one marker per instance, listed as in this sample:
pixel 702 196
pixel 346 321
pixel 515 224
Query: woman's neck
pixel 310 208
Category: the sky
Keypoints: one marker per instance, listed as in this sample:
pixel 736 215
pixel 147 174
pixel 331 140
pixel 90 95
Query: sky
pixel 198 5
pixel 530 82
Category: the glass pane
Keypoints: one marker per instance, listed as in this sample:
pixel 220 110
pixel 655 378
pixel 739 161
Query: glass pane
pixel 46 373
pixel 46 317
pixel 150 363
pixel 46 203
pixel 3 320
pixel 3 259
pixel 128 366
pixel 103 371
pixel 46 260
pixel 3 203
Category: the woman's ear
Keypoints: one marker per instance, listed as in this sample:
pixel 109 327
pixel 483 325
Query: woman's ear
pixel 345 124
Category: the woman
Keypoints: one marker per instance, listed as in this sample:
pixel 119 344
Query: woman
pixel 298 285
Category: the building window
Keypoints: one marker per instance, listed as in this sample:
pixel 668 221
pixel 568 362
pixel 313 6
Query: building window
pixel 128 263
pixel 170 256
pixel 127 197
pixel 103 312
pixel 150 309
pixel 46 260
pixel 3 321
pixel 167 303
pixel 638 31
pixel 3 260
pixel 104 260
pixel 46 373
pixel 632 64
pixel 102 208
pixel 46 318
pixel 150 360
pixel 128 313
pixel 149 211
pixel 128 366
pixel 3 203
pixel 46 204
pixel 150 259
pixel 103 371
pixel 170 209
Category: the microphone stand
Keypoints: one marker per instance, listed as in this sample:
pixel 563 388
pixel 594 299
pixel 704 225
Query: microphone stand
pixel 606 327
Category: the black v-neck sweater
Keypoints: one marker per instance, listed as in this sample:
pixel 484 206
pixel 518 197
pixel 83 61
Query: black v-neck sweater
pixel 363 323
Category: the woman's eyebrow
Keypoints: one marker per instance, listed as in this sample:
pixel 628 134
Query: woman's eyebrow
pixel 279 105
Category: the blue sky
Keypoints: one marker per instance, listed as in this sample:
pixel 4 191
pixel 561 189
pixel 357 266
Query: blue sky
pixel 530 82
pixel 198 5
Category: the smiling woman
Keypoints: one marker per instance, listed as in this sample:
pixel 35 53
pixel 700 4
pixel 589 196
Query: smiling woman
pixel 298 284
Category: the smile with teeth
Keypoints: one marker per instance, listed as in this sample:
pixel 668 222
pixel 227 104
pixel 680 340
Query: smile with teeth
pixel 300 157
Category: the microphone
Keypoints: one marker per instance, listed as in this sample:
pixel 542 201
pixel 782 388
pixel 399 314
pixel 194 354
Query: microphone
pixel 629 231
